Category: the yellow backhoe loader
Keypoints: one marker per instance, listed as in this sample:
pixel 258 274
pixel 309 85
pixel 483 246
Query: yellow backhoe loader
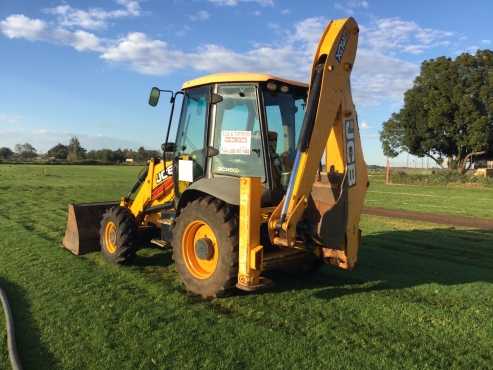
pixel 246 188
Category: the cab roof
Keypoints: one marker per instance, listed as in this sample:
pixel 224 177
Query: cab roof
pixel 238 77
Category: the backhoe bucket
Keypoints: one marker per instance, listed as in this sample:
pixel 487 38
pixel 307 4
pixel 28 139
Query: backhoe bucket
pixel 83 220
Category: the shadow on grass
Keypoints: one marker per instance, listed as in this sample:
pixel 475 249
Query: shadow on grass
pixel 387 260
pixel 153 257
pixel 32 350
pixel 403 259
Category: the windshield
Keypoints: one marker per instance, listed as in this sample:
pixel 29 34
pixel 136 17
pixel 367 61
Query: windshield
pixel 284 113
pixel 237 132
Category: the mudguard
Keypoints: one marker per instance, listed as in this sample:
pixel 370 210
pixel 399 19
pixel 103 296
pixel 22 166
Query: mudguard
pixel 226 189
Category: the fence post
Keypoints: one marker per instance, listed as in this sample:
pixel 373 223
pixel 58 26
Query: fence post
pixel 388 179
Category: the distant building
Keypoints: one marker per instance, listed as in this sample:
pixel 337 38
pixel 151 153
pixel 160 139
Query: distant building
pixel 483 165
pixel 129 160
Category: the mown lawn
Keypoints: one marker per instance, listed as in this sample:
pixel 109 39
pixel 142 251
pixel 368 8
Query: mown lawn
pixel 458 199
pixel 421 297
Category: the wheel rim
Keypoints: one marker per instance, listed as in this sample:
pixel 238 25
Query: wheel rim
pixel 200 268
pixel 110 237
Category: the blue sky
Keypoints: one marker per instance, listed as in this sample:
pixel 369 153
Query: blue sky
pixel 85 68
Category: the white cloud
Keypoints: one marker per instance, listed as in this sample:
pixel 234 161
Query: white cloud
pixel 144 55
pixel 183 31
pixel 201 15
pixel 486 42
pixel 20 26
pixel 86 41
pixel 377 75
pixel 237 2
pixel 285 11
pixel 44 139
pixel 396 35
pixel 380 73
pixel 309 30
pixel 93 18
pixel 364 125
pixel 9 119
pixel 349 6
pixel 79 40
pixel 132 7
pixel 471 49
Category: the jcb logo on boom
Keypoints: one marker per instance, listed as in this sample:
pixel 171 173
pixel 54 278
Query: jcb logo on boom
pixel 350 152
pixel 163 175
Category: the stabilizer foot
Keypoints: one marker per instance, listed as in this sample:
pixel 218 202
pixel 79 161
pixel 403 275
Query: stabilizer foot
pixel 264 283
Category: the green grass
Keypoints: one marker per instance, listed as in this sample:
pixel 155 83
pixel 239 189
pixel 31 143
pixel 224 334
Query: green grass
pixel 421 297
pixel 457 199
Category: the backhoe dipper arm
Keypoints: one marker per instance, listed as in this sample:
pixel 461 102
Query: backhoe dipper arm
pixel 329 123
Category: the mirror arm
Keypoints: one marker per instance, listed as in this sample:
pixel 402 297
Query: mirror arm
pixel 172 101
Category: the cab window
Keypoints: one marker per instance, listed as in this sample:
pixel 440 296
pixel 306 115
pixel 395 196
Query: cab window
pixel 190 137
pixel 284 113
pixel 237 134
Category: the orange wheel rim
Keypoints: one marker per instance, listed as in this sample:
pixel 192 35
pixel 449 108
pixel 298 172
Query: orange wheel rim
pixel 110 237
pixel 200 268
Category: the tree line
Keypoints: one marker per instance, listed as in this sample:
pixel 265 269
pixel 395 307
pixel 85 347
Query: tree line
pixel 74 152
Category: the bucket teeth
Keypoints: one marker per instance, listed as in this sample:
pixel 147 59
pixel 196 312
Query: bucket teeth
pixel 83 221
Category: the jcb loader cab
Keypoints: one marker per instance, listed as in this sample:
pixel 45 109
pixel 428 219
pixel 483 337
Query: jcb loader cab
pixel 243 187
pixel 235 125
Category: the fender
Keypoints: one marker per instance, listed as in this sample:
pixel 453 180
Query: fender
pixel 226 189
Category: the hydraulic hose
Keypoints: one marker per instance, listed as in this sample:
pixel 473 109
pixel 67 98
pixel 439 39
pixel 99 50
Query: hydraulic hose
pixel 9 323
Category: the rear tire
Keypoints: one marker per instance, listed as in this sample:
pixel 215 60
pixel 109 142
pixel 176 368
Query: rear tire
pixel 118 235
pixel 205 247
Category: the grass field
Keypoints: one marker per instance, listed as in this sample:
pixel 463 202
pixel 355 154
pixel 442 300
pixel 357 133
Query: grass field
pixel 458 199
pixel 421 297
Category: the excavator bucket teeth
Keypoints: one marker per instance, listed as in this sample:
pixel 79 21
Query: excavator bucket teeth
pixel 83 221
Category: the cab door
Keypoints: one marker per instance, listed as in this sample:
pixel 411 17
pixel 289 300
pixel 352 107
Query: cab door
pixel 190 154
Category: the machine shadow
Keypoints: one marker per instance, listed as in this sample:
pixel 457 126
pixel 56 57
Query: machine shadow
pixel 32 350
pixel 153 256
pixel 403 259
pixel 388 260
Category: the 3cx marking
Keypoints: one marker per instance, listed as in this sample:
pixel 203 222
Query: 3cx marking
pixel 341 47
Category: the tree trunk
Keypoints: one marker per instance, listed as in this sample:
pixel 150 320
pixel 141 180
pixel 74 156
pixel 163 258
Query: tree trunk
pixel 461 166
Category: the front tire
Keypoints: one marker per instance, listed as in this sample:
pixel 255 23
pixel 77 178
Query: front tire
pixel 205 247
pixel 118 235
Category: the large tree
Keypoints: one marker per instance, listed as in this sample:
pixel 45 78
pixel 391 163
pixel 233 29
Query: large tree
pixel 448 112
pixel 6 153
pixel 59 151
pixel 25 151
pixel 75 150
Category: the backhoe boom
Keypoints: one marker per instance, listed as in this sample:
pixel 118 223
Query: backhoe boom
pixel 330 124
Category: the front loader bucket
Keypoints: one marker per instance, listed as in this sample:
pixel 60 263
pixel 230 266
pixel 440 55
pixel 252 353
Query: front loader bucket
pixel 83 220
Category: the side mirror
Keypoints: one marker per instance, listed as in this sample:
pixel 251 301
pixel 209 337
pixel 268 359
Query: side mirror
pixel 154 96
pixel 211 151
pixel 168 147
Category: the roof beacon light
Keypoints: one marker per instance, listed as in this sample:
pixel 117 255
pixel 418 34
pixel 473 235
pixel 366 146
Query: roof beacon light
pixel 271 86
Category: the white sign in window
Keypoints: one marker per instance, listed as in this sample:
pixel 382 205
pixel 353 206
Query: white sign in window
pixel 236 142
pixel 185 170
